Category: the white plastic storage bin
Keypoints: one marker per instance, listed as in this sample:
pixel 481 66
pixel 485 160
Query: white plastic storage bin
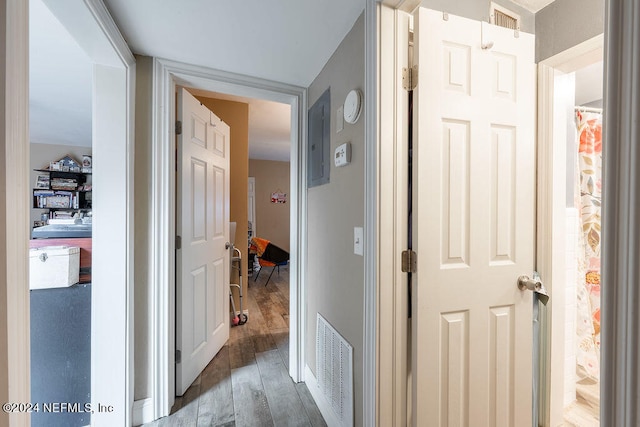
pixel 54 267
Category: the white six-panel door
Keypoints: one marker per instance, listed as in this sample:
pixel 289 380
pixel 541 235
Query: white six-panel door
pixel 202 263
pixel 474 223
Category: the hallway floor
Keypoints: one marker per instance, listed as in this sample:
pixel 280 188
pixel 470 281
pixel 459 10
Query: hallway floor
pixel 247 383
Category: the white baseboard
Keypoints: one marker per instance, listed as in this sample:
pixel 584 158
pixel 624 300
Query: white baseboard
pixel 142 411
pixel 325 408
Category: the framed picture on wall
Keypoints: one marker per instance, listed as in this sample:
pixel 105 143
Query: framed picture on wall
pixel 278 197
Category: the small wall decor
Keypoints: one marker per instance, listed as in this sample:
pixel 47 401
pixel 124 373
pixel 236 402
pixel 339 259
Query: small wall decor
pixel 86 163
pixel 278 197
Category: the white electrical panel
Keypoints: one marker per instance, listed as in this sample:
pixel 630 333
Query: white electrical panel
pixel 343 155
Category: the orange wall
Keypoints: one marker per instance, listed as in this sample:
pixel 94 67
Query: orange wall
pixel 236 115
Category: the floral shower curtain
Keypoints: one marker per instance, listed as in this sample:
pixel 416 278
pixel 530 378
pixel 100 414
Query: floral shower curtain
pixel 588 199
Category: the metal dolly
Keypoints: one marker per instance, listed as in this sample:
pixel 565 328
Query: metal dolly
pixel 236 263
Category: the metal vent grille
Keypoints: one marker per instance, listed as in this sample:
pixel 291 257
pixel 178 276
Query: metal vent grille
pixel 504 18
pixel 334 368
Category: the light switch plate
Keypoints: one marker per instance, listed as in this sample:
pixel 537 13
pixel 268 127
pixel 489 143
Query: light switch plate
pixel 358 241
pixel 340 119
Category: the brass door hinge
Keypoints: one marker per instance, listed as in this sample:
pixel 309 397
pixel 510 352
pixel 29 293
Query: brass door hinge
pixel 409 261
pixel 410 78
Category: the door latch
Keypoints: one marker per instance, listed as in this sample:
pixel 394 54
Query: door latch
pixel 535 285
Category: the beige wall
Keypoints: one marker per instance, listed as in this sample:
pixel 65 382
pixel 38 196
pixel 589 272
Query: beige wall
pixel 272 219
pixel 41 155
pixel 335 275
pixel 142 229
pixel 236 115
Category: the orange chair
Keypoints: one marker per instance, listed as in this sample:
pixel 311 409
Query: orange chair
pixel 269 255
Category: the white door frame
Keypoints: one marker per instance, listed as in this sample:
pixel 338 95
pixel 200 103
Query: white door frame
pixel 166 75
pixel 393 324
pixel 551 211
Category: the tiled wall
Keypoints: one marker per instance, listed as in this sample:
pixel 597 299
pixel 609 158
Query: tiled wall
pixel 570 309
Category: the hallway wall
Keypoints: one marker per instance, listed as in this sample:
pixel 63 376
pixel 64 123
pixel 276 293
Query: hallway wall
pixel 272 219
pixel 566 23
pixel 335 275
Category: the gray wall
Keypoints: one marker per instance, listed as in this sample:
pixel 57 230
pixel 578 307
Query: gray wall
pixel 566 23
pixel 142 201
pixel 479 10
pixel 335 275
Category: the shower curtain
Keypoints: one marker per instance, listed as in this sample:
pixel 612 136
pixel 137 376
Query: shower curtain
pixel 588 199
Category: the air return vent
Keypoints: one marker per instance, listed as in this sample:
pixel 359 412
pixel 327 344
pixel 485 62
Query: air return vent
pixel 334 368
pixel 504 17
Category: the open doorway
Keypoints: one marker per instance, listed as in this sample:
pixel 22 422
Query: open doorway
pixel 570 114
pixel 171 74
pixel 252 367
pixel 107 138
pixel 584 201
pixel 60 128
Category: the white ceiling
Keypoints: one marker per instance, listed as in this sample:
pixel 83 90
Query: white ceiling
pixel 533 5
pixel 287 41
pixel 60 81
pixel 269 126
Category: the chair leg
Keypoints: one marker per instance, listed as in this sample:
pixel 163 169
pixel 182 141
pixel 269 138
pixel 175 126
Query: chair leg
pixel 257 274
pixel 272 270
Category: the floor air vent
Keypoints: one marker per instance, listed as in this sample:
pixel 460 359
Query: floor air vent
pixel 504 17
pixel 334 368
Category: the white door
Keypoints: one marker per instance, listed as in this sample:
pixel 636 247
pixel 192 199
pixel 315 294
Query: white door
pixel 202 262
pixel 474 223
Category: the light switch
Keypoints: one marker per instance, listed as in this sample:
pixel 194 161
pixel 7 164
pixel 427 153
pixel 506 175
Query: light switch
pixel 339 119
pixel 358 241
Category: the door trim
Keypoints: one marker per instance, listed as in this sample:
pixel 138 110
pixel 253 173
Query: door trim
pixel 14 125
pixel 166 75
pixel 393 324
pixel 551 227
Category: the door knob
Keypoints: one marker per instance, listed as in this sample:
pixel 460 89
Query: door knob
pixel 227 245
pixel 534 285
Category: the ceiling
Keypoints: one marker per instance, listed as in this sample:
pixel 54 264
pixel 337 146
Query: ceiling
pixel 533 5
pixel 60 82
pixel 269 126
pixel 286 41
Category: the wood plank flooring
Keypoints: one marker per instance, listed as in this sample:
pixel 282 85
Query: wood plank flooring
pixel 247 383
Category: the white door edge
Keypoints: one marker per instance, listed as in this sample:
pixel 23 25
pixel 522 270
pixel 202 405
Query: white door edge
pixel 551 216
pixel 162 332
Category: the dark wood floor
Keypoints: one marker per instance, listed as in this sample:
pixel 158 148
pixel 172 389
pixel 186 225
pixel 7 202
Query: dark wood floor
pixel 247 383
